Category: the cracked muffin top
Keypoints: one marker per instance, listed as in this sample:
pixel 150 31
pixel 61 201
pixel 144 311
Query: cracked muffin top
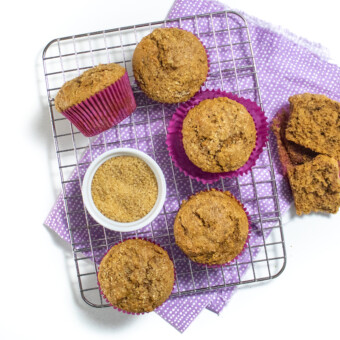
pixel 87 84
pixel 170 65
pixel 211 227
pixel 219 135
pixel 136 276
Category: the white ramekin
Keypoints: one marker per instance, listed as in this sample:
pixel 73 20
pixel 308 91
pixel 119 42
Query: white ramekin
pixel 111 224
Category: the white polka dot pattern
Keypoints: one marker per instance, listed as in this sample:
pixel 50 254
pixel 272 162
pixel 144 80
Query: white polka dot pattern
pixel 284 68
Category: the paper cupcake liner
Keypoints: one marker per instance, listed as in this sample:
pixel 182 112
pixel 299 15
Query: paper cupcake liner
pixel 175 143
pixel 104 109
pixel 102 293
pixel 208 61
pixel 290 153
pixel 245 244
pixel 278 122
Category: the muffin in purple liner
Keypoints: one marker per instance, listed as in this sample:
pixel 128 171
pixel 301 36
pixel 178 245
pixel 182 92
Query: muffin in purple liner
pixel 216 148
pixel 98 99
pixel 136 276
pixel 170 65
pixel 212 227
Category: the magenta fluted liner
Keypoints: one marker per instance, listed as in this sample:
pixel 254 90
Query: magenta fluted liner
pixel 104 109
pixel 175 143
pixel 102 293
pixel 277 122
pixel 245 244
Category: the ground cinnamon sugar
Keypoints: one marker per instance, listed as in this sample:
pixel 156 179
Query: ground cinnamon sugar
pixel 124 189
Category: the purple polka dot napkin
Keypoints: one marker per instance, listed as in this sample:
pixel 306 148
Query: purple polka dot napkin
pixel 284 67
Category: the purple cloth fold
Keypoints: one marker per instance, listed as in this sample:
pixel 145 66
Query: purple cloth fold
pixel 284 68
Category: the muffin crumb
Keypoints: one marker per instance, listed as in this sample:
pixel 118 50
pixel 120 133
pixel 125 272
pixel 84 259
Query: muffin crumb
pixel 316 185
pixel 315 123
pixel 290 153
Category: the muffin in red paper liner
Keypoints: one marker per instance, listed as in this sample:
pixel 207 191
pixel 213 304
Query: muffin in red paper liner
pixel 170 65
pixel 178 153
pixel 136 276
pixel 212 227
pixel 98 99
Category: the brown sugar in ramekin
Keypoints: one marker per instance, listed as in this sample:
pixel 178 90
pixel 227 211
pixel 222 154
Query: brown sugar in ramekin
pixel 124 189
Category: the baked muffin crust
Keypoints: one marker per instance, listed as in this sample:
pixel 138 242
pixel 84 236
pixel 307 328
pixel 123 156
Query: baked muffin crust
pixel 315 123
pixel 87 84
pixel 170 65
pixel 136 276
pixel 218 135
pixel 211 227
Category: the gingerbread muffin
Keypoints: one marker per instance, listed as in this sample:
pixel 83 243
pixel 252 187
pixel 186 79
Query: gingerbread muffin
pixel 219 135
pixel 314 123
pixel 87 84
pixel 170 65
pixel 136 276
pixel 211 227
pixel 316 185
pixel 290 153
pixel 98 99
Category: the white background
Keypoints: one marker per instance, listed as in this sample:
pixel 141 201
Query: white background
pixel 38 288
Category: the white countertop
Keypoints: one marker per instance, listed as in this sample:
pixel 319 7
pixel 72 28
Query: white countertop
pixel 38 286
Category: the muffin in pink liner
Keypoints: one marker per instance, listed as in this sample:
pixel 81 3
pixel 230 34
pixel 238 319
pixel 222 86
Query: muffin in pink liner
pixel 176 148
pixel 98 99
pixel 136 276
pixel 170 65
pixel 212 228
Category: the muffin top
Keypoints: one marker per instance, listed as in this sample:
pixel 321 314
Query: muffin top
pixel 219 135
pixel 211 227
pixel 124 189
pixel 136 276
pixel 170 65
pixel 315 123
pixel 87 84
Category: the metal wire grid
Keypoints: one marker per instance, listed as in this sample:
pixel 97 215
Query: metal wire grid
pixel 67 57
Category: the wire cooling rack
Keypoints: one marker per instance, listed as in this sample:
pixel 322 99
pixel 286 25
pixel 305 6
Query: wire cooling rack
pixel 232 68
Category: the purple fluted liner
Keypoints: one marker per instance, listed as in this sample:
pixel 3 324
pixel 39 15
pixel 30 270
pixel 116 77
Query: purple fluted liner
pixel 104 109
pixel 284 68
pixel 175 143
